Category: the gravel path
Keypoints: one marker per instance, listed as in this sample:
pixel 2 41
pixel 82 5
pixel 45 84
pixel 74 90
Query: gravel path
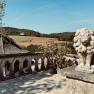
pixel 41 83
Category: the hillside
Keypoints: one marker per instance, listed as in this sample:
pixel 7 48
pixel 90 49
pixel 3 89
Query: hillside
pixel 17 31
pixel 63 36
pixel 28 40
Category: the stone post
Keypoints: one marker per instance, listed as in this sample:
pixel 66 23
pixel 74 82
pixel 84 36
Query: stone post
pixel 42 65
pixel 12 74
pixel 29 67
pixel 36 65
pixel 21 72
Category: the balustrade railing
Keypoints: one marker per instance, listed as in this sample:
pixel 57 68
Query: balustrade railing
pixel 18 65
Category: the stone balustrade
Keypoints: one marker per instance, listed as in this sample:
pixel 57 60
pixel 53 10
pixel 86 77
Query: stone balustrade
pixel 15 65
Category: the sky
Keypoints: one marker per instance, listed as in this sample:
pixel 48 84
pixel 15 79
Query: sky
pixel 50 16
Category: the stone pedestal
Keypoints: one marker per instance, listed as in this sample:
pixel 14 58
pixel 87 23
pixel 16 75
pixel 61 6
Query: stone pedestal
pixel 78 82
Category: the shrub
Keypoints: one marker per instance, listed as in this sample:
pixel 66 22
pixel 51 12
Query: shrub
pixel 35 48
pixel 55 54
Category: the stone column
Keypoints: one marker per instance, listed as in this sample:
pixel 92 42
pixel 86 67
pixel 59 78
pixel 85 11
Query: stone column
pixel 42 65
pixel 29 66
pixel 21 72
pixel 2 69
pixel 36 65
pixel 45 63
pixel 1 72
pixel 12 74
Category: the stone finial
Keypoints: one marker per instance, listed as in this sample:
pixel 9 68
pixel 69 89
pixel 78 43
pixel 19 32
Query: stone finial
pixel 84 46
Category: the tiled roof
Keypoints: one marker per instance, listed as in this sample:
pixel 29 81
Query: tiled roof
pixel 8 46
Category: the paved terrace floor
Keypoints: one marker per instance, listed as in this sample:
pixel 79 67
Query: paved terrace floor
pixel 41 83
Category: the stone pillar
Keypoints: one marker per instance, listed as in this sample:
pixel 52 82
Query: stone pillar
pixel 36 65
pixel 42 65
pixel 21 72
pixel 2 70
pixel 39 63
pixel 12 74
pixel 29 66
pixel 45 63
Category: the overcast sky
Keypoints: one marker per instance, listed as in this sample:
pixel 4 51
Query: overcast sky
pixel 48 16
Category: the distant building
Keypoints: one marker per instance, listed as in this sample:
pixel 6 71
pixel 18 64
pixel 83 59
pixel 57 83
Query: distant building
pixel 22 34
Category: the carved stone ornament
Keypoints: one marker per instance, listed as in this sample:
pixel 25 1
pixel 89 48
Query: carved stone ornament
pixel 84 46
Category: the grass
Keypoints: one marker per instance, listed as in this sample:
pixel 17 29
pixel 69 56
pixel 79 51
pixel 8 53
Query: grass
pixel 28 40
pixel 21 38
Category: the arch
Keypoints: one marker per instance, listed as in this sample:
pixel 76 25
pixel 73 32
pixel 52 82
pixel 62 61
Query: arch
pixel 7 68
pixel 33 64
pixel 16 66
pixel 25 66
pixel 7 65
pixel 36 69
pixel 25 63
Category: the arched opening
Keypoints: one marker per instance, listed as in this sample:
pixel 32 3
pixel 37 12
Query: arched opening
pixel 25 63
pixel 42 64
pixel 16 66
pixel 33 64
pixel 45 60
pixel 92 60
pixel 25 66
pixel 7 68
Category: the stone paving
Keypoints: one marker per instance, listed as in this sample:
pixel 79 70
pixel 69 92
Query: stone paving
pixel 40 83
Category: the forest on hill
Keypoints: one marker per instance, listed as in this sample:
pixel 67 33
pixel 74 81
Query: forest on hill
pixel 63 36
